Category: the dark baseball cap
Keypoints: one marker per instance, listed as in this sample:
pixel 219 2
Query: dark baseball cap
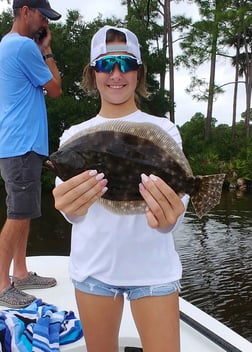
pixel 42 5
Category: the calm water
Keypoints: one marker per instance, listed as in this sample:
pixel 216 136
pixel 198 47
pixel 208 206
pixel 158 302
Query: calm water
pixel 216 253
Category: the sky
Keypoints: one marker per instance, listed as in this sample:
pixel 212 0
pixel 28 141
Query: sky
pixel 186 107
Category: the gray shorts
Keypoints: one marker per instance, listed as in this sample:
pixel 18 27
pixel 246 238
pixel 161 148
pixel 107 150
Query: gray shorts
pixel 22 177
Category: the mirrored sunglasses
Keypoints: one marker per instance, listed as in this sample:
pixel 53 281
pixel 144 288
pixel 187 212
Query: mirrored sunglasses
pixel 106 63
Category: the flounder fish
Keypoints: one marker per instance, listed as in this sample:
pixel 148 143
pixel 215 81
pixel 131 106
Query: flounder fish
pixel 124 150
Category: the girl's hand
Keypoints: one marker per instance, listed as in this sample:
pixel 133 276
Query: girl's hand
pixel 76 195
pixel 164 206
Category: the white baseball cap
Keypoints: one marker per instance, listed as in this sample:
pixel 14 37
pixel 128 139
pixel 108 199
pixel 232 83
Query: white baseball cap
pixel 100 47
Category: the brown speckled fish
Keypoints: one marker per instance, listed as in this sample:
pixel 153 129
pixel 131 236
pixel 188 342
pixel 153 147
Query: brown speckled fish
pixel 124 150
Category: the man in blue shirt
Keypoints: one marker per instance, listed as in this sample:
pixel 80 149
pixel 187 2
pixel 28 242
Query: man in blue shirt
pixel 27 69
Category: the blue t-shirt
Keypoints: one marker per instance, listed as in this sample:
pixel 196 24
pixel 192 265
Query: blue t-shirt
pixel 23 117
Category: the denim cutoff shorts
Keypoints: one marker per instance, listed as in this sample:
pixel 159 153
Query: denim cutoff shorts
pixel 96 287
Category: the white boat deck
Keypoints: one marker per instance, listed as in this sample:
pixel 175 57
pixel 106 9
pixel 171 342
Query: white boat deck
pixel 192 340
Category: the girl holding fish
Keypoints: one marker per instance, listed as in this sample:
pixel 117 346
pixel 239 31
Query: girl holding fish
pixel 115 255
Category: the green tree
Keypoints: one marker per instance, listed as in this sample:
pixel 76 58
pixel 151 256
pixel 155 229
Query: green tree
pixel 142 18
pixel 154 26
pixel 220 153
pixel 170 25
pixel 201 45
pixel 240 38
pixel 6 19
pixel 192 133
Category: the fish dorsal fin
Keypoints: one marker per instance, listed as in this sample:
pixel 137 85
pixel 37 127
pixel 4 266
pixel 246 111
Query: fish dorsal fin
pixel 145 130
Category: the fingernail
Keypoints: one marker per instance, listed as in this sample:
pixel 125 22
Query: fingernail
pixel 104 190
pixel 103 182
pixel 144 178
pixel 92 172
pixel 99 176
pixel 153 177
pixel 141 187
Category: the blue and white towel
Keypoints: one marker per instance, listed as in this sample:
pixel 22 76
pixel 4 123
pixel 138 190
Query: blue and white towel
pixel 40 327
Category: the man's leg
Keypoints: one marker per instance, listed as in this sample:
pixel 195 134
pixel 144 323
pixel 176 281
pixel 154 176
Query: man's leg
pixel 19 259
pixel 10 239
pixel 23 187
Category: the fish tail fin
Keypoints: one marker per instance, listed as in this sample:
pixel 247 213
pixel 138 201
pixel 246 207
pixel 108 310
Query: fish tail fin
pixel 208 193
